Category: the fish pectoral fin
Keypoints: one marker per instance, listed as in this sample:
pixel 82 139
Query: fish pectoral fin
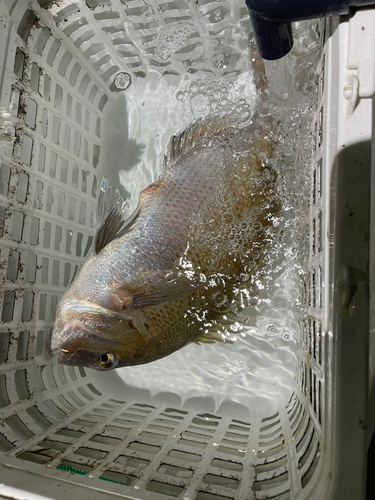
pixel 212 336
pixel 135 296
pixel 110 217
pixel 165 292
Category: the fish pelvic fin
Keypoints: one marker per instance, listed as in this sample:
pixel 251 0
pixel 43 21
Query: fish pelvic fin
pixel 212 336
pixel 197 133
pixel 110 217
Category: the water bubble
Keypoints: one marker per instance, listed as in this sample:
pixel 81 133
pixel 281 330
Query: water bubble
pixel 173 38
pixel 122 81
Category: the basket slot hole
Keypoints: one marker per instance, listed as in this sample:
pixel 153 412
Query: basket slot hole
pixel 51 56
pixel 13 262
pixel 38 380
pixel 91 453
pixel 67 271
pixel 72 207
pixel 42 306
pixel 73 79
pixel 2 220
pixel 44 270
pixel 82 213
pixel 34 457
pixel 22 187
pixel 148 448
pixel 19 61
pixel 8 306
pixel 226 464
pixel 310 472
pixel 56 129
pixel 65 403
pixel 222 481
pixel 39 343
pixel 164 488
pixel 272 417
pixel 19 428
pixel 38 418
pixel 84 83
pixel 27 147
pixel 95 156
pixel 5 445
pixel 76 399
pixel 268 435
pixel 31 113
pixel 53 445
pixel 320 127
pixel 107 440
pixel 75 26
pixel 46 87
pixel 22 344
pixel 270 483
pixel 24 27
pixel 114 429
pixel 4 179
pixel 4 399
pixel 47 234
pixel 271 465
pixel 34 77
pixel 319 179
pixel 21 384
pixel 64 63
pixel 231 451
pixel 61 203
pixel 42 40
pixel 118 477
pixel 85 394
pixel 185 456
pixel 87 120
pixel 70 433
pixel 137 463
pixel 58 101
pixel 58 238
pixel 310 447
pixel 55 272
pixel 66 139
pixel 203 495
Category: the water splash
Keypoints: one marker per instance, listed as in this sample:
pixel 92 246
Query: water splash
pixel 258 370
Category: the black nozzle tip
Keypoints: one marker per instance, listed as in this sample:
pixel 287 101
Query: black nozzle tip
pixel 274 39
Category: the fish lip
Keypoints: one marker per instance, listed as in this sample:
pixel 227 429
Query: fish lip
pixel 66 338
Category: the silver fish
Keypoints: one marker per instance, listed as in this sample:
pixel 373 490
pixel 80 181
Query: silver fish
pixel 165 276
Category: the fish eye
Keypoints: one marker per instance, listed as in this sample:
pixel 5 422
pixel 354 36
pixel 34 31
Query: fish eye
pixel 107 361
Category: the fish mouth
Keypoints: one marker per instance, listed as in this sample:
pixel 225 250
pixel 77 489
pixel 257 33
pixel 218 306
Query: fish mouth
pixel 68 344
pixel 79 357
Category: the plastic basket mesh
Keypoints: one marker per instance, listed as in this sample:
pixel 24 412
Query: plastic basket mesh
pixel 60 64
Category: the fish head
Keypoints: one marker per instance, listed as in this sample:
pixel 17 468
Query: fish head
pixel 85 334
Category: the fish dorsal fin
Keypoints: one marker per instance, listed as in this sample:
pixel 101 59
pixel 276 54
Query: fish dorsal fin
pixel 197 133
pixel 110 216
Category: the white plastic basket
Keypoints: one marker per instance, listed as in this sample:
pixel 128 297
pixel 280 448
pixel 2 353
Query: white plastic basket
pixel 67 431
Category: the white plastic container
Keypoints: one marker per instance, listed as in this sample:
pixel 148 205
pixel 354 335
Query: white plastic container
pixel 69 432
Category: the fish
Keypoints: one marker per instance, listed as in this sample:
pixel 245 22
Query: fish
pixel 172 272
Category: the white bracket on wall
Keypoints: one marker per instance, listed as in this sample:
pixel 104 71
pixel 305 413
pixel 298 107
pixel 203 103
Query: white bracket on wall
pixel 360 63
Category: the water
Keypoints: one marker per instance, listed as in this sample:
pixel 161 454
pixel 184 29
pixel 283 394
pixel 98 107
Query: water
pixel 258 370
